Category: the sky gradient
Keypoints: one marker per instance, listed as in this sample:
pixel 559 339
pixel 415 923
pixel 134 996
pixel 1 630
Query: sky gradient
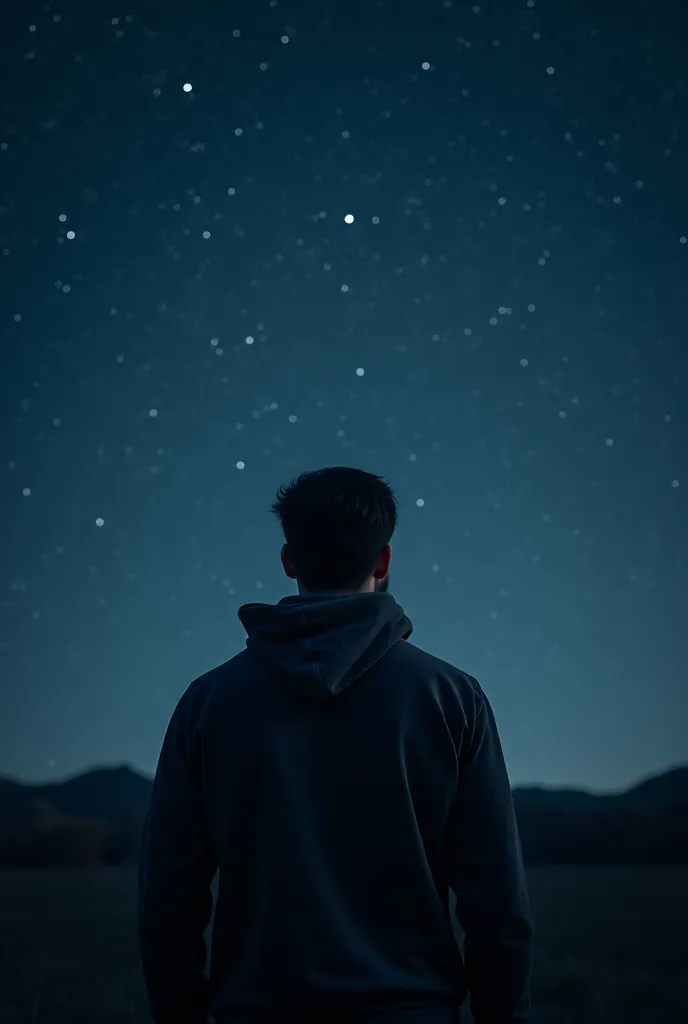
pixel 189 317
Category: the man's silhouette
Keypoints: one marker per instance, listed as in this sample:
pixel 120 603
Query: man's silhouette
pixel 342 780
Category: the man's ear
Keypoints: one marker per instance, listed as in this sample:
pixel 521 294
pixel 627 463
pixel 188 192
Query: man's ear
pixel 286 562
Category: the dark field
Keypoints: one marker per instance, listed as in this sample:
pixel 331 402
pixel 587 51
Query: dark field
pixel 612 947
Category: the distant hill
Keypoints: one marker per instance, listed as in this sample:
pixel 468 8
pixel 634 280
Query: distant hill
pixel 106 794
pixel 92 818
pixel 646 824
pixel 658 792
pixel 96 817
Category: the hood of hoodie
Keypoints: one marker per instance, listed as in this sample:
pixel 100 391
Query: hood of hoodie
pixel 322 644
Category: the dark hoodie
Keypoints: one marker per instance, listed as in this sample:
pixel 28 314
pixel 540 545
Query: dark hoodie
pixel 342 780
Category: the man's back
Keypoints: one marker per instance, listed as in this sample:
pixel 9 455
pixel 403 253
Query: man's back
pixel 346 780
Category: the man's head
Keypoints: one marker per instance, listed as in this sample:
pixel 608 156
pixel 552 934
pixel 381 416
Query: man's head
pixel 337 524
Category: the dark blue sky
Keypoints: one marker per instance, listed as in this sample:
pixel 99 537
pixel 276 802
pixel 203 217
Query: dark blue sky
pixel 182 295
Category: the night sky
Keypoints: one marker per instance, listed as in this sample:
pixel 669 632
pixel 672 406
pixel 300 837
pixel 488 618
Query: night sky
pixel 189 317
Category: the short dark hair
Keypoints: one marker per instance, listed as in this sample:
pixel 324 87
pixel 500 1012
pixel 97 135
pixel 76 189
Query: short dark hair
pixel 335 522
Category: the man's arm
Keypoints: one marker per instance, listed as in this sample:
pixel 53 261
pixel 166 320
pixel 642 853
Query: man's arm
pixel 176 869
pixel 487 876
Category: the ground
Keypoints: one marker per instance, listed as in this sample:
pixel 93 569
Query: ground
pixel 612 947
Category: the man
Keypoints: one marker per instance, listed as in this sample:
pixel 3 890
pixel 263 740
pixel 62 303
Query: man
pixel 342 780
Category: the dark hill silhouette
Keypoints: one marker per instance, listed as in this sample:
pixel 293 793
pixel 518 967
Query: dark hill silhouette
pixel 665 791
pixel 657 792
pixel 646 824
pixel 105 794
pixel 96 817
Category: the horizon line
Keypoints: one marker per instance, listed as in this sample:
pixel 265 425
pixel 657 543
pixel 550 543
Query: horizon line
pixel 565 788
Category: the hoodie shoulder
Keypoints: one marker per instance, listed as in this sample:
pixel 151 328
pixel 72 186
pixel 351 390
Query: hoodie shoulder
pixel 199 694
pixel 449 680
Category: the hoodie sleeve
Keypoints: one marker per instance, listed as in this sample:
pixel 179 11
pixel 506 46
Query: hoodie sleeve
pixel 487 876
pixel 176 869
